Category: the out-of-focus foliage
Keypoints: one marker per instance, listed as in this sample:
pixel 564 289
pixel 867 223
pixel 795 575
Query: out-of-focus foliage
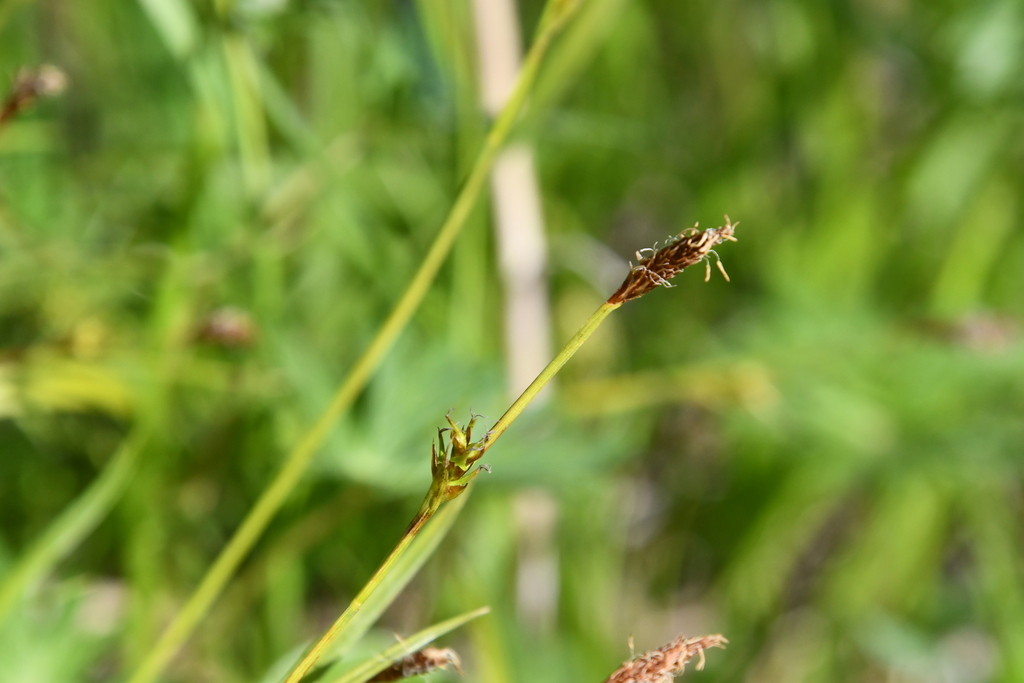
pixel 821 460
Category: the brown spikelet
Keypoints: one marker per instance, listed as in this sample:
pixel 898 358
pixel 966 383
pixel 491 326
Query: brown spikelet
pixel 685 249
pixel 30 85
pixel 418 663
pixel 668 661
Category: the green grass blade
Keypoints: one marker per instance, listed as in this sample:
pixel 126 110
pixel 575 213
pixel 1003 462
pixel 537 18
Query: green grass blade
pixel 369 668
pixel 385 584
pixel 995 533
pixel 74 524
pixel 176 24
pixel 404 568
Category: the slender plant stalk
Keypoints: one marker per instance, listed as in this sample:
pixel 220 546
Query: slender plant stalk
pixel 434 501
pixel 548 372
pixel 350 612
pixel 297 461
pixel 75 523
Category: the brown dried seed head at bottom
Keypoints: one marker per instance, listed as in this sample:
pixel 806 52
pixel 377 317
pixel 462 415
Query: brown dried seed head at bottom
pixel 418 663
pixel 687 248
pixel 668 661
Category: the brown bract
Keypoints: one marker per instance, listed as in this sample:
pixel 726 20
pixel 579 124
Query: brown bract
pixel 685 249
pixel 668 661
pixel 418 663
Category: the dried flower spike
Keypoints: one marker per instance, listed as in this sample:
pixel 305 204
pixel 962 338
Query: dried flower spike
pixel 685 249
pixel 668 661
pixel 30 85
pixel 418 663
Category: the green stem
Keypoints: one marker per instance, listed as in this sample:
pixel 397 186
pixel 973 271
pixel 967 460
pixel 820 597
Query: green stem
pixel 299 458
pixel 432 503
pixel 550 371
pixel 75 523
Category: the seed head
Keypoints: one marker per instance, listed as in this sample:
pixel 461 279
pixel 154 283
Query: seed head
pixel 667 662
pixel 685 249
pixel 418 663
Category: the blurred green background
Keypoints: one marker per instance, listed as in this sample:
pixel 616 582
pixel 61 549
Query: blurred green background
pixel 821 460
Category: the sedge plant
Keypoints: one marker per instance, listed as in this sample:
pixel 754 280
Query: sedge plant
pixel 556 15
pixel 454 465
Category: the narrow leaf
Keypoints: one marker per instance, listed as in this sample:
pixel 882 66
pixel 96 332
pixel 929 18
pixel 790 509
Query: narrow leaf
pixel 391 584
pixel 369 668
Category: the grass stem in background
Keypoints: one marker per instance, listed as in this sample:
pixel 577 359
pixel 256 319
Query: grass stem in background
pixel 297 461
pixel 75 523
